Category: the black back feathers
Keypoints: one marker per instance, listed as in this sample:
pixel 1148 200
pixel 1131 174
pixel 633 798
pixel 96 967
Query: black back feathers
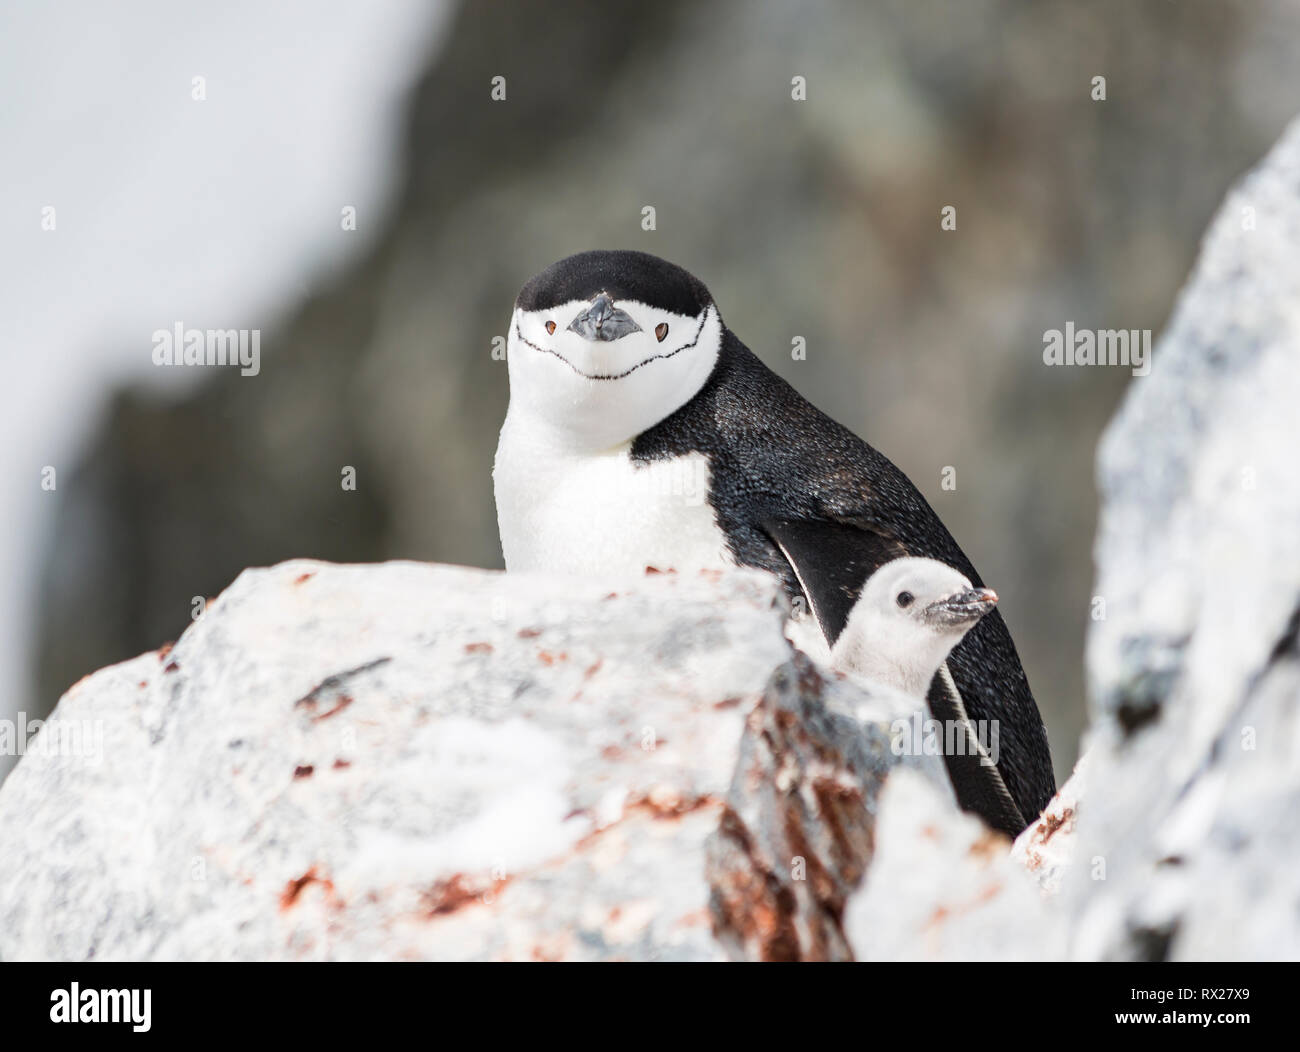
pixel 804 498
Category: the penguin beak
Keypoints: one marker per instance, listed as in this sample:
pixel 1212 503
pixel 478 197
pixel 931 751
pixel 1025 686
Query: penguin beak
pixel 961 608
pixel 603 321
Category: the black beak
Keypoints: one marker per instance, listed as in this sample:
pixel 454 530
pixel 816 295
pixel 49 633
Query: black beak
pixel 603 321
pixel 962 608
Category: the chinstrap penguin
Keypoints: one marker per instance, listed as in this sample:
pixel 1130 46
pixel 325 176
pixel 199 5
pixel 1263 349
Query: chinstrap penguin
pixel 642 432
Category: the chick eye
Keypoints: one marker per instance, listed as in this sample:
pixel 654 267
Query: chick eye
pixel 550 327
pixel 661 330
pixel 905 598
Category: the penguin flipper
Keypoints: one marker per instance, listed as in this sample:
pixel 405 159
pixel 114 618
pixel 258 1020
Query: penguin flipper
pixel 832 562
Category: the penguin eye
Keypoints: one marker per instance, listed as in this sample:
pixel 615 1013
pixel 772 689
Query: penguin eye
pixel 550 327
pixel 661 330
pixel 905 599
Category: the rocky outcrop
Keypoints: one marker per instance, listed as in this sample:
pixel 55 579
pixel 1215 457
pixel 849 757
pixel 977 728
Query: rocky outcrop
pixel 409 761
pixel 798 828
pixel 1195 665
pixel 942 886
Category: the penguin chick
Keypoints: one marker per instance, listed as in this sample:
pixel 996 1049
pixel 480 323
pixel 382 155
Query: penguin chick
pixel 911 613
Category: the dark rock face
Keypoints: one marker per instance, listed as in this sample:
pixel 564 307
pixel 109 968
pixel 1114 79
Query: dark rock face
pixel 815 219
pixel 795 836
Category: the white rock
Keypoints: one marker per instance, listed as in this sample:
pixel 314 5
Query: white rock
pixel 1195 679
pixel 943 886
pixel 1047 847
pixel 409 761
pixel 398 761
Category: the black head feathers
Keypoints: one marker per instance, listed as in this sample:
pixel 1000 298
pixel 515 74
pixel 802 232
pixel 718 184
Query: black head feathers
pixel 623 275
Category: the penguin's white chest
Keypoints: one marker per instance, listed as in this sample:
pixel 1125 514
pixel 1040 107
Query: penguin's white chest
pixel 592 513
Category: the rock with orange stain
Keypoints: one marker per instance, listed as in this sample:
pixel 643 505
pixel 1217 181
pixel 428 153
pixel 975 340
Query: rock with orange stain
pixel 943 886
pixel 1046 848
pixel 798 830
pixel 399 761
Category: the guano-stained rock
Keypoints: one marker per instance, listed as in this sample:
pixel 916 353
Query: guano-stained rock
pixel 412 761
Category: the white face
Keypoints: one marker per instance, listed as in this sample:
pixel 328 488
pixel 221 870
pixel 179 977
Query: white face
pixel 911 613
pixel 590 394
pixel 904 590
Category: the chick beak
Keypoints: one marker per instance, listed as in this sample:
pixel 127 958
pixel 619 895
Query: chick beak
pixel 962 608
